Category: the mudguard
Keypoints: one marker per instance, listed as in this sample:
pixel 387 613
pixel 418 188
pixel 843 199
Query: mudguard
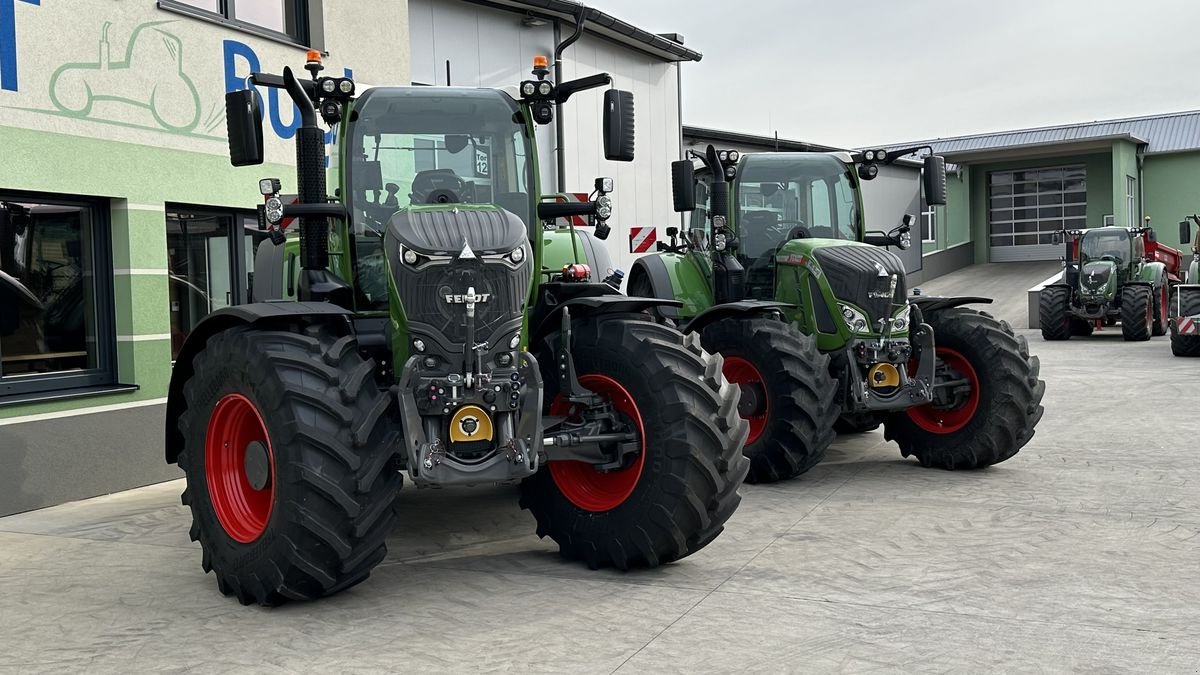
pixel 592 305
pixel 1154 273
pixel 930 303
pixel 224 319
pixel 739 308
pixel 675 276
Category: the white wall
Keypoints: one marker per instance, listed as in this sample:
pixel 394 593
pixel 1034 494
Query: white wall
pixel 490 48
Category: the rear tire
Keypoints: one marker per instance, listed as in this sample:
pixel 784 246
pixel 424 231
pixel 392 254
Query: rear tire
pixel 1161 302
pixel 1185 345
pixel 1054 312
pixel 692 464
pixel 331 485
pixel 1137 313
pixel 792 426
pixel 997 418
pixel 857 423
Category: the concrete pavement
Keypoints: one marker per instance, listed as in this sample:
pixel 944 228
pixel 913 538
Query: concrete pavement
pixel 1082 554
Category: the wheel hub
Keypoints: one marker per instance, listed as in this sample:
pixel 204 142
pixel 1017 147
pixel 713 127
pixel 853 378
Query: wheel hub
pixel 753 399
pixel 257 465
pixel 754 406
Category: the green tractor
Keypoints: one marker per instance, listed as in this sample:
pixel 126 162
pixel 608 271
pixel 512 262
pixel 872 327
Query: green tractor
pixel 810 311
pixel 1185 298
pixel 1109 275
pixel 427 340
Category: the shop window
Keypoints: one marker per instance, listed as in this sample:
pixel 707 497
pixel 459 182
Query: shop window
pixel 289 19
pixel 210 261
pixel 56 314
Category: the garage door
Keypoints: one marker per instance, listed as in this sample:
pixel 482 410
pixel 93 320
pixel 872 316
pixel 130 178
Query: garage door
pixel 1026 208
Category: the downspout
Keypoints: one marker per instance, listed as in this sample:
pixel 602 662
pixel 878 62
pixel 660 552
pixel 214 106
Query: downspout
pixel 560 152
pixel 1141 163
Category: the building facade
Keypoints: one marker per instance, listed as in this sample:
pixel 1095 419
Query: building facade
pixel 122 222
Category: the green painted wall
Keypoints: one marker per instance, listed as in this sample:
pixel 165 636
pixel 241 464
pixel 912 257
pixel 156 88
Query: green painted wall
pixel 1124 167
pixel 1171 192
pixel 138 181
pixel 1100 191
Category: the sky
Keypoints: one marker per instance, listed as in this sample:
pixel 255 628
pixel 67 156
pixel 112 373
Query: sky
pixel 861 72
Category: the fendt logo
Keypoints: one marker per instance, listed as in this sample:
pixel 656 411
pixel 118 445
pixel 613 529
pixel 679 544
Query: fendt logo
pixel 8 42
pixel 468 299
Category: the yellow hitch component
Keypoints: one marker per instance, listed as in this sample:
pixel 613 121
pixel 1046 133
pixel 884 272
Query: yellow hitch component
pixel 883 376
pixel 470 423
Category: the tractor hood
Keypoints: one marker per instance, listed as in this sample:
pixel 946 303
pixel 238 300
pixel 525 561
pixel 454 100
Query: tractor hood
pixel 442 230
pixel 1098 278
pixel 868 277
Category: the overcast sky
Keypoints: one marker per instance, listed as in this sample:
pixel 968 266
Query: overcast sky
pixel 859 72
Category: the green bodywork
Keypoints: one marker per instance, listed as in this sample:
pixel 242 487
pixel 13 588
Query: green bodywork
pixel 831 175
pixel 1103 261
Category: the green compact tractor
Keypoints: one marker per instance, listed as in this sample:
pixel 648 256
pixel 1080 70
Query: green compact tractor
pixel 1110 274
pixel 427 340
pixel 1185 298
pixel 811 314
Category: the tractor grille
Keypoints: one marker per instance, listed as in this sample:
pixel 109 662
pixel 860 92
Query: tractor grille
pixel 423 293
pixel 853 274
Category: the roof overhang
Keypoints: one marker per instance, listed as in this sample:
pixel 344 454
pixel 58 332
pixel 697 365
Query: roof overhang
pixel 764 143
pixel 1081 146
pixel 600 24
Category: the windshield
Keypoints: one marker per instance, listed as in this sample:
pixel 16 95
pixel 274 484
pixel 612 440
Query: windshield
pixel 1099 243
pixel 780 196
pixel 421 145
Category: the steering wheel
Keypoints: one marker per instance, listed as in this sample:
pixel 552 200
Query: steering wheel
pixel 1110 257
pixel 437 186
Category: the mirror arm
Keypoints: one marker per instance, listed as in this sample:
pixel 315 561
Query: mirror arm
pixel 566 89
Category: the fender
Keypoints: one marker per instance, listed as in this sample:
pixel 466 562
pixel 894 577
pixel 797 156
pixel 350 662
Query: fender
pixel 224 319
pixel 595 305
pixel 676 276
pixel 1154 273
pixel 932 303
pixel 740 308
pixel 654 269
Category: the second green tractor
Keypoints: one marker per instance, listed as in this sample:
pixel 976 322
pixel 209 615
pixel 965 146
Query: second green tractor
pixel 778 273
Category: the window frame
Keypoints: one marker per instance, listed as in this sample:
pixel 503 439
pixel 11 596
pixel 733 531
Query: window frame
pixel 311 21
pixel 25 388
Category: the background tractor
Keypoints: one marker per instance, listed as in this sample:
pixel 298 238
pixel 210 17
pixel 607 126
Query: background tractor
pixel 810 311
pixel 425 339
pixel 1185 298
pixel 1110 274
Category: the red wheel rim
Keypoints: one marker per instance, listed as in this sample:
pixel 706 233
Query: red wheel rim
pixel 242 510
pixel 741 372
pixel 937 420
pixel 580 482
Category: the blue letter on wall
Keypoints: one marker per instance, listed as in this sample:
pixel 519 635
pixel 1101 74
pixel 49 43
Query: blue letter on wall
pixel 8 43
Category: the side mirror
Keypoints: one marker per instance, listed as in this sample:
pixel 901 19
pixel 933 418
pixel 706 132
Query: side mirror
pixel 1185 232
pixel 683 185
pixel 243 116
pixel 718 199
pixel 1056 239
pixel 672 232
pixel 934 178
pixel 1151 236
pixel 618 125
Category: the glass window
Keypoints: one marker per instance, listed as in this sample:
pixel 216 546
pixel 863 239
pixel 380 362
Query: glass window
pixel 1042 199
pixel 210 262
pixel 55 285
pixel 286 17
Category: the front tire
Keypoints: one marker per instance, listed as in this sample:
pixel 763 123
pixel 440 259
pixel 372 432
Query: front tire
pixel 1137 313
pixel 1161 303
pixel 288 463
pixel 1054 312
pixel 787 394
pixel 675 497
pixel 857 423
pixel 988 422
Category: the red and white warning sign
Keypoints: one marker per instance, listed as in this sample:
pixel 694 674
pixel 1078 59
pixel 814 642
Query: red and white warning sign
pixel 573 198
pixel 1188 326
pixel 642 239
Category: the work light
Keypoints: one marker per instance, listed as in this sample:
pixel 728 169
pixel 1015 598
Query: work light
pixel 346 86
pixel 274 210
pixel 269 186
pixel 545 88
pixel 329 85
pixel 528 89
pixel 604 185
pixel 603 208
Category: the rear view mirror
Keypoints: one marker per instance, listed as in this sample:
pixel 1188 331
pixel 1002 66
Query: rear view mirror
pixel 243 116
pixel 618 125
pixel 1185 232
pixel 1056 239
pixel 934 178
pixel 683 185
pixel 1151 236
pixel 456 143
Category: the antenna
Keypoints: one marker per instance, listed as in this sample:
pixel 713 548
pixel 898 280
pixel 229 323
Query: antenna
pixel 776 140
pixel 447 72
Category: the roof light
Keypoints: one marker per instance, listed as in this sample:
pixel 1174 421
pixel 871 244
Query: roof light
pixel 313 56
pixel 541 62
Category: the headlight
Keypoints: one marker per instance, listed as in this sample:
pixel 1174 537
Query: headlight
pixel 517 254
pixel 328 85
pixel 528 89
pixel 719 242
pixel 899 324
pixel 853 318
pixel 905 240
pixel 346 86
pixel 723 156
pixel 274 209
pixel 419 345
pixel 545 88
pixel 734 155
pixel 410 256
pixel 604 208
pixel 869 155
pixel 515 341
